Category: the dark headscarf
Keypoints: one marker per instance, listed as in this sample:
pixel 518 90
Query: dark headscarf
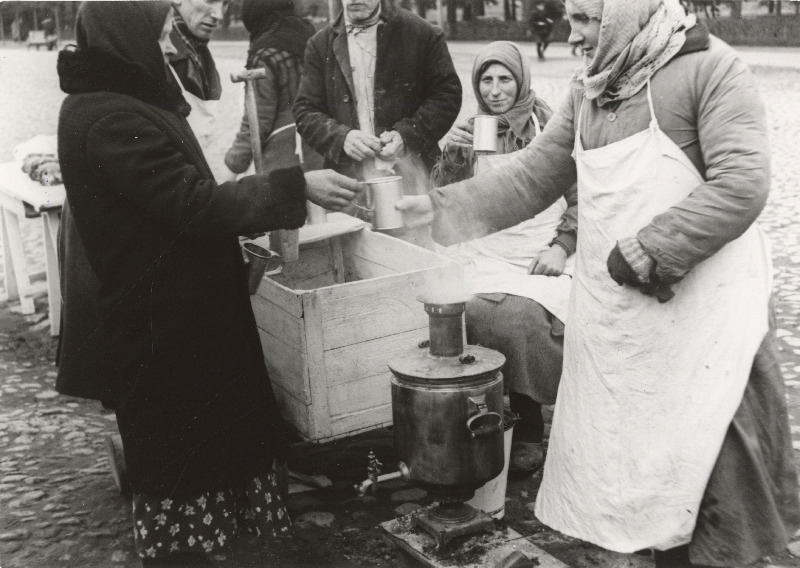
pixel 118 52
pixel 275 24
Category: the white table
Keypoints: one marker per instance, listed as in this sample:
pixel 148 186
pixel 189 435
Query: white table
pixel 16 191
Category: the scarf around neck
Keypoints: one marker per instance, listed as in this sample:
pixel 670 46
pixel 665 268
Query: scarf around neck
pixel 356 27
pixel 636 40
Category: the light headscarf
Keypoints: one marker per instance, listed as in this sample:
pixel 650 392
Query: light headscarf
pixel 516 122
pixel 636 40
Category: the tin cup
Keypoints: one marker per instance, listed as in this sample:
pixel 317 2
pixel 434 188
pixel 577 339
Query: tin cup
pixel 261 262
pixel 386 192
pixel 484 135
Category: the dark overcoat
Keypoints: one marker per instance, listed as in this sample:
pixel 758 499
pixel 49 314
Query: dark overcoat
pixel 417 90
pixel 177 338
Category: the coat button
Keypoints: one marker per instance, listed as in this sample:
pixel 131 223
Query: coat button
pixel 612 116
pixel 346 98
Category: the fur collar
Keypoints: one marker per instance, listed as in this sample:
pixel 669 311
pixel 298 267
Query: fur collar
pixel 91 70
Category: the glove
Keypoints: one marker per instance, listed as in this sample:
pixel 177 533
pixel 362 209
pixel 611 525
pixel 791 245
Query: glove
pixel 622 273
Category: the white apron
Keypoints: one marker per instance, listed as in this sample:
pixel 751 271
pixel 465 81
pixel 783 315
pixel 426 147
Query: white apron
pixel 499 262
pixel 648 390
pixel 203 120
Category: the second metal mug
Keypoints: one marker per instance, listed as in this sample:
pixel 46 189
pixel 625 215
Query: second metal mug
pixel 484 133
pixel 386 192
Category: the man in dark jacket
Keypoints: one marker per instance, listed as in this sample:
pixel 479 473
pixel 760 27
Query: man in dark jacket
pixel 378 89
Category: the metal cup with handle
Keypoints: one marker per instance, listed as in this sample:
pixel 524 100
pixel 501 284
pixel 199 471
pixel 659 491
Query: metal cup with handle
pixel 386 192
pixel 260 262
pixel 484 134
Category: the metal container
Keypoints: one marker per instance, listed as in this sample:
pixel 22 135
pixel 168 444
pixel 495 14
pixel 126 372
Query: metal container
pixel 260 262
pixel 447 416
pixel 386 192
pixel 484 135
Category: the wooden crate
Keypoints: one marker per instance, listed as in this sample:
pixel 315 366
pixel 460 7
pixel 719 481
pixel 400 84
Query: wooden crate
pixel 331 321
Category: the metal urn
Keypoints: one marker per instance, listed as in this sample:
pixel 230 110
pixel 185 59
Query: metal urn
pixel 447 408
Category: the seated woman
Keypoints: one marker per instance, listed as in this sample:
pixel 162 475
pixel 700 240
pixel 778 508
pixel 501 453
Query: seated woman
pixel 519 277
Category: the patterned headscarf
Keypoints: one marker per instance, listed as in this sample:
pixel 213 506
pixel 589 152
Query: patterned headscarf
pixel 636 40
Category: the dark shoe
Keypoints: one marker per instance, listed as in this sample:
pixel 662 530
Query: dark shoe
pixel 526 457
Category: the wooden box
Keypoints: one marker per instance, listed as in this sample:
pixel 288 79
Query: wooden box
pixel 331 321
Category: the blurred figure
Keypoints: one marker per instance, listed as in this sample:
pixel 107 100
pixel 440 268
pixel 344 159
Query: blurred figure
pixel 176 347
pixel 278 38
pixel 519 276
pixel 544 15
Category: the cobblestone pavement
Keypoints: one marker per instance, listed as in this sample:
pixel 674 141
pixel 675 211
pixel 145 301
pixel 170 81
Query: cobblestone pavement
pixel 58 504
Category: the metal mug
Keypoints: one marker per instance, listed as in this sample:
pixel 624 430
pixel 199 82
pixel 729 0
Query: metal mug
pixel 261 262
pixel 386 192
pixel 484 135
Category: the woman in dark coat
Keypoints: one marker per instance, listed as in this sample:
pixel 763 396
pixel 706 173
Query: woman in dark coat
pixel 177 339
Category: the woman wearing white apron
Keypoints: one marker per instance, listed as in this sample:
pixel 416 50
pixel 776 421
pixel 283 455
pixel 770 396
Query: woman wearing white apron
pixel 520 277
pixel 670 429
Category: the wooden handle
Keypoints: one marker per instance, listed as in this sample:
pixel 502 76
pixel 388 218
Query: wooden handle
pixel 248 75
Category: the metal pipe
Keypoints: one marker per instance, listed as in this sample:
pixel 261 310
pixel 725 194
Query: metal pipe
pixel 364 486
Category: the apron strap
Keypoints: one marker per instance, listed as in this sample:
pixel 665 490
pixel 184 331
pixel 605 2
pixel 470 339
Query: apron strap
pixel 537 127
pixel 653 119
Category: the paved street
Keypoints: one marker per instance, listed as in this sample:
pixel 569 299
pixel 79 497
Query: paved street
pixel 58 504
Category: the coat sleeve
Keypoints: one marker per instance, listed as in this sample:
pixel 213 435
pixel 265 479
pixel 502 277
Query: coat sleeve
pixel 732 133
pixel 267 93
pixel 137 162
pixel 500 199
pixel 311 111
pixel 441 102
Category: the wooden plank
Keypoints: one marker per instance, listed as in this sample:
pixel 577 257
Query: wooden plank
pixel 278 322
pixel 316 370
pixel 337 254
pixel 393 253
pixel 16 266
pixel 294 411
pixel 350 397
pixel 286 366
pixel 372 316
pixel 447 276
pixel 313 270
pixel 281 296
pixel 358 268
pixel 50 223
pixel 354 363
pixel 351 424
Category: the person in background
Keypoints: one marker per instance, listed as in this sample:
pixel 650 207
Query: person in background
pixel 176 341
pixel 278 38
pixel 378 92
pixel 193 24
pixel 544 15
pixel 517 275
pixel 670 430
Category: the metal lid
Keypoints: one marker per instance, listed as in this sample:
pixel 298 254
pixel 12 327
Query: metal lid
pixel 421 368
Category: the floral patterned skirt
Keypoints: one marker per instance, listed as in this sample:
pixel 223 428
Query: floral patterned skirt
pixel 207 522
